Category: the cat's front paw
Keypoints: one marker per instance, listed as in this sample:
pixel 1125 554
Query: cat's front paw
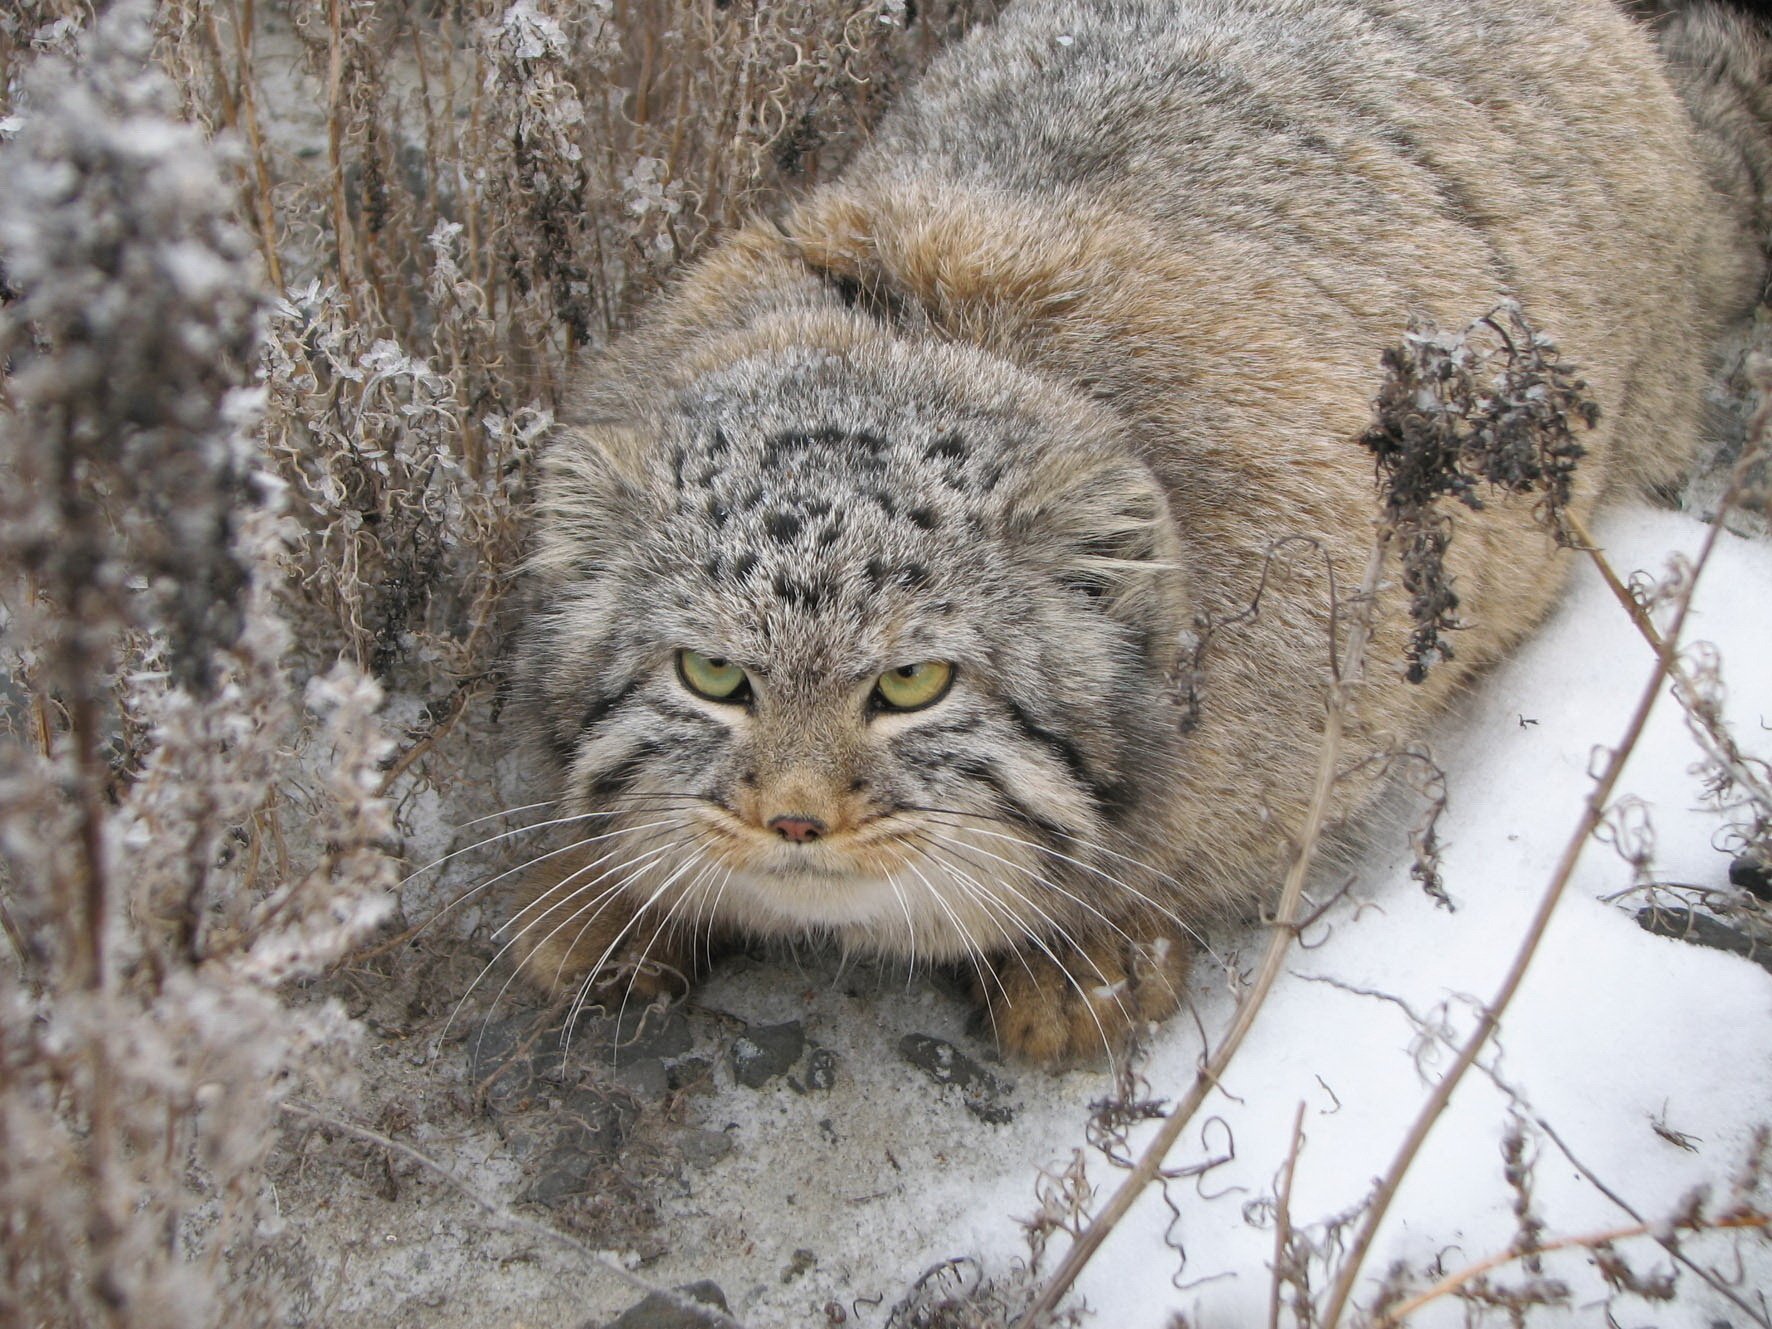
pixel 608 949
pixel 1067 1006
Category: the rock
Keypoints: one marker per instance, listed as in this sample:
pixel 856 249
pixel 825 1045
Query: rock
pixel 763 1052
pixel 983 1093
pixel 521 1059
pixel 1703 930
pixel 704 1148
pixel 588 1138
pixel 693 1075
pixel 659 1312
pixel 496 1054
pixel 821 1069
pixel 636 1034
pixel 1752 872
pixel 646 1078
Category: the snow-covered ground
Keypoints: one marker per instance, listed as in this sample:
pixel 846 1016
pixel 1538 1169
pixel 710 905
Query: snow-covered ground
pixel 837 1198
pixel 1615 1030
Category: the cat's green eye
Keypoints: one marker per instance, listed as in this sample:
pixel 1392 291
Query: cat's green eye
pixel 713 677
pixel 912 687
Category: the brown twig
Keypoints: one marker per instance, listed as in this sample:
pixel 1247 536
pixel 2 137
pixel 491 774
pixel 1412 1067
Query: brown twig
pixel 1283 1217
pixel 1398 1315
pixel 1345 670
pixel 341 216
pixel 1664 1239
pixel 505 1214
pixel 263 208
pixel 458 706
pixel 1489 1017
pixel 1620 592
pixel 13 935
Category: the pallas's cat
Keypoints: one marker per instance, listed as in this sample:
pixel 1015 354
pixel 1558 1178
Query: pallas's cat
pixel 873 561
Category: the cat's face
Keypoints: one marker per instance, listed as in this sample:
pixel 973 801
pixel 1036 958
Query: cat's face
pixel 824 652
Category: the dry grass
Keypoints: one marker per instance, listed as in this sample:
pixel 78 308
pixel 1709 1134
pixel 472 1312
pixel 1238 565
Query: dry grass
pixel 288 307
pixel 291 291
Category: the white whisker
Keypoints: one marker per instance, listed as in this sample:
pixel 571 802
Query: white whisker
pixel 1107 985
pixel 1039 878
pixel 555 853
pixel 973 951
pixel 586 987
pixel 1112 880
pixel 553 905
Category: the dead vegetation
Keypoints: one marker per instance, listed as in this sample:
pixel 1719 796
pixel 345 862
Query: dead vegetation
pixel 288 307
pixel 291 289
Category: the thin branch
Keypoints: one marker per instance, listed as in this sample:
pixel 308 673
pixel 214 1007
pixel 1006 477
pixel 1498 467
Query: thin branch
pixel 1620 592
pixel 1283 1217
pixel 263 207
pixel 457 708
pixel 1344 671
pixel 1399 1314
pixel 341 217
pixel 14 936
pixel 1666 1241
pixel 505 1214
pixel 1490 1015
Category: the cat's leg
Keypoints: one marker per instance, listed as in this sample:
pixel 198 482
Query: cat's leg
pixel 1069 1005
pixel 577 932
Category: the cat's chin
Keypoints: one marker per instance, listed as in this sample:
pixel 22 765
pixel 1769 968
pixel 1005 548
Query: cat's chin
pixel 888 914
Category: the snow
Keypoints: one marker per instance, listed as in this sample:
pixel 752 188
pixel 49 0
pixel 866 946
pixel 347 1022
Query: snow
pixel 884 1175
pixel 1613 1029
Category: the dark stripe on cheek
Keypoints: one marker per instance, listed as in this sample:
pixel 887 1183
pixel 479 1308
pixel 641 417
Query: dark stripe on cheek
pixel 966 724
pixel 986 774
pixel 1106 796
pixel 671 710
pixel 618 777
pixel 600 707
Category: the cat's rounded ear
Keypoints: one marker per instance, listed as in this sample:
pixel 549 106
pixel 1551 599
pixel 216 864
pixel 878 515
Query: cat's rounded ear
pixel 1102 527
pixel 586 500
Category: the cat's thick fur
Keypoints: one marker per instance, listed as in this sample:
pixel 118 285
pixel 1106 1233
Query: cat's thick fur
pixel 1033 389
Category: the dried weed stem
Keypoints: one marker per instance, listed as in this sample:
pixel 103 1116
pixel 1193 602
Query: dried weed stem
pixel 700 1313
pixel 1490 1014
pixel 1346 667
pixel 1399 1315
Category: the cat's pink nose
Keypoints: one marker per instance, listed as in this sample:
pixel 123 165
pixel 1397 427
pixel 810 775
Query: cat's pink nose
pixel 798 829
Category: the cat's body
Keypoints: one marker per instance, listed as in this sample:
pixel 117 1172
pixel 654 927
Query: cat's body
pixel 1026 396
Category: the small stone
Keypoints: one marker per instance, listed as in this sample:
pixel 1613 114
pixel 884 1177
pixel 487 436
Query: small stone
pixel 634 1035
pixel 983 1093
pixel 496 1054
pixel 592 1128
pixel 802 1261
pixel 646 1079
pixel 520 1142
pixel 659 1312
pixel 1752 872
pixel 704 1148
pixel 763 1052
pixel 821 1069
pixel 694 1075
pixel 1702 930
pixel 565 1174
pixel 595 1121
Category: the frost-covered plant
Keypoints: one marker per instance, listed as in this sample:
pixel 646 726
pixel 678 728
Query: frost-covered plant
pixel 151 722
pixel 1487 404
pixel 213 491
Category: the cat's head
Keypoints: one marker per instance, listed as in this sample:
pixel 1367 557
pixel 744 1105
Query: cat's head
pixel 871 641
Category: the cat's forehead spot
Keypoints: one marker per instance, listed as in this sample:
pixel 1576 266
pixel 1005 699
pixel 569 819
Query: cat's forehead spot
pixel 908 469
